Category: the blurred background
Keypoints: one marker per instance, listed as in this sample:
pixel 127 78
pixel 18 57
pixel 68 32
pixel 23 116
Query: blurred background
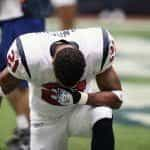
pixel 129 23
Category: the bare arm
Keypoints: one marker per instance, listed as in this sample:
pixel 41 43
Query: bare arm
pixel 7 81
pixel 107 82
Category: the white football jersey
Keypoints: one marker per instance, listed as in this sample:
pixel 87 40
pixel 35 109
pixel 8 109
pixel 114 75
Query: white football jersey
pixel 29 56
pixel 34 62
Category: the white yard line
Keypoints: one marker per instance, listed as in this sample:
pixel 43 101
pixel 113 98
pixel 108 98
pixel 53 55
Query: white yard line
pixel 133 56
pixel 140 117
pixel 136 95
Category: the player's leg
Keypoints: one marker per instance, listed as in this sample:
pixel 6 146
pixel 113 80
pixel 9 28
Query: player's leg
pixel 102 130
pixel 49 123
pixel 48 136
pixel 19 97
pixel 47 133
pixel 16 99
pixel 96 122
pixel 19 102
pixel 80 121
pixel 8 36
pixel 66 12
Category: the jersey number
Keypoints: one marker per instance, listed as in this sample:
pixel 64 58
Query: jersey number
pixel 12 61
pixel 112 51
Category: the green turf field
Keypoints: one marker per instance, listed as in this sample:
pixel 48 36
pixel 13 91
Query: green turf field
pixel 128 137
pixel 132 133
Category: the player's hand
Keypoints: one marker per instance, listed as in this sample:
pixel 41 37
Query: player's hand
pixel 65 96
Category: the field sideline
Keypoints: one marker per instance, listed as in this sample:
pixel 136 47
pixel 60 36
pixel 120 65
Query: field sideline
pixel 132 122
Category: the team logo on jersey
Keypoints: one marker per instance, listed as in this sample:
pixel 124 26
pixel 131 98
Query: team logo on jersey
pixel 12 61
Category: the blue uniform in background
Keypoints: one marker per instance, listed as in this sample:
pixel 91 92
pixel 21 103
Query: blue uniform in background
pixel 13 28
pixel 33 20
pixel 18 18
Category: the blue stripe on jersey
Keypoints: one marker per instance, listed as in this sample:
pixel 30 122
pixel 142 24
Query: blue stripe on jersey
pixel 105 47
pixel 23 57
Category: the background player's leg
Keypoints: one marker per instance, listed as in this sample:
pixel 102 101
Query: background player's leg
pixel 19 101
pixel 48 134
pixel 66 12
pixel 18 98
pixel 66 15
pixel 15 98
pixel 48 137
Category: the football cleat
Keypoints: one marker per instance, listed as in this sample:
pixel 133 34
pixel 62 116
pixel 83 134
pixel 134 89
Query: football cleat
pixel 20 140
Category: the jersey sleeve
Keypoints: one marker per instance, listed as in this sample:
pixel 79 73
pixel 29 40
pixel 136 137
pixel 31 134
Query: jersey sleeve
pixel 109 51
pixel 14 62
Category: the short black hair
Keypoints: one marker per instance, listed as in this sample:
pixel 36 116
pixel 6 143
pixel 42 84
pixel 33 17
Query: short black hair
pixel 69 66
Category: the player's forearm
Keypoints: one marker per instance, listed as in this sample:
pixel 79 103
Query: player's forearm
pixel 66 96
pixel 104 98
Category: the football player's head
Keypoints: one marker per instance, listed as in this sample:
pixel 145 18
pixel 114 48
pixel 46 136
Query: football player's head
pixel 69 63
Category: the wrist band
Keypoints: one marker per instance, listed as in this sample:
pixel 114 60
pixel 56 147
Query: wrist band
pixel 84 98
